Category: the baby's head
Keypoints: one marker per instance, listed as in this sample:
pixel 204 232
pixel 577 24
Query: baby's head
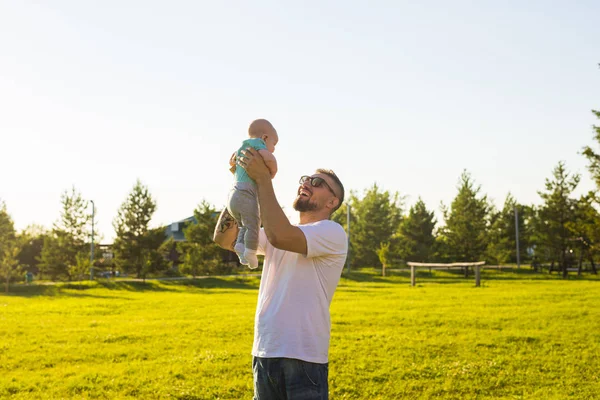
pixel 262 129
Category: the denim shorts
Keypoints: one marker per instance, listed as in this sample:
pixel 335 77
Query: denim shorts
pixel 289 378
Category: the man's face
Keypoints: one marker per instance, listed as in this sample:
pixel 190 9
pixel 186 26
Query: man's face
pixel 311 197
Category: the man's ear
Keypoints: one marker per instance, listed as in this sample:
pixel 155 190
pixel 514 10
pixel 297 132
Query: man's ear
pixel 335 201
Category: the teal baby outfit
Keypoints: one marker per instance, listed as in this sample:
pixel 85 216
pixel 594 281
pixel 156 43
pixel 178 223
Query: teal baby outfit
pixel 243 201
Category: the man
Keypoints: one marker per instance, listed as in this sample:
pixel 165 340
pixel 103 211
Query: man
pixel 301 271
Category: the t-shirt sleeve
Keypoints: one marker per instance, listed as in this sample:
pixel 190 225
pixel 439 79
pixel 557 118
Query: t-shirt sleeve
pixel 258 144
pixel 325 238
pixel 262 242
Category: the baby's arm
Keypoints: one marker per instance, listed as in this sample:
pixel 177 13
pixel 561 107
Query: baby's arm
pixel 270 161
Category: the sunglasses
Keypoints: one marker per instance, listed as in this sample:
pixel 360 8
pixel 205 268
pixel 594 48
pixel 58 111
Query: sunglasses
pixel 316 182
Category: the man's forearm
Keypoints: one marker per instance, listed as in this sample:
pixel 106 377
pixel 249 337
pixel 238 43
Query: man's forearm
pixel 280 233
pixel 226 231
pixel 274 221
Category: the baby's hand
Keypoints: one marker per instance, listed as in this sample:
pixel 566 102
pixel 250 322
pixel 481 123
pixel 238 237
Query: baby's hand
pixel 232 163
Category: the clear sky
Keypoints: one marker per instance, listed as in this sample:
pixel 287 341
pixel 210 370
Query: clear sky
pixel 406 94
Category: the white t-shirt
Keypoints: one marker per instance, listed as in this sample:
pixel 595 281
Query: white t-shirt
pixel 292 314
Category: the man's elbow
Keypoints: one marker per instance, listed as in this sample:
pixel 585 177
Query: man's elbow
pixel 218 240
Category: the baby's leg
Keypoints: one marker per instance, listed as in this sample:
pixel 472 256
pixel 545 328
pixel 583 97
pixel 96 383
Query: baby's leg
pixel 251 220
pixel 241 236
pixel 235 205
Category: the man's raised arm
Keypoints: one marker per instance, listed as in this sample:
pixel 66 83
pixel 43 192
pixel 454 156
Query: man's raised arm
pixel 226 231
pixel 280 232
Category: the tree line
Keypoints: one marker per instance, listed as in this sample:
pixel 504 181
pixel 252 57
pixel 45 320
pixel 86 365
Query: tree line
pixel 64 251
pixel 561 233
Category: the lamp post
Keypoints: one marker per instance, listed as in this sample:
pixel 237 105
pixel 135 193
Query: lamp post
pixel 92 245
pixel 517 237
pixel 348 227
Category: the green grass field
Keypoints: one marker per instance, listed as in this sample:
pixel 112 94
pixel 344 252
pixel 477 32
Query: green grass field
pixel 520 335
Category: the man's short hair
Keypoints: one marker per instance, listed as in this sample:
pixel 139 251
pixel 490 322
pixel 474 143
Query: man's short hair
pixel 337 181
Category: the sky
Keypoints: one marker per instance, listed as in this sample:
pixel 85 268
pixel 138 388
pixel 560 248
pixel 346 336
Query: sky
pixel 95 95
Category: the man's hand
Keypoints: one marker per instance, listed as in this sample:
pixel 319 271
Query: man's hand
pixel 254 165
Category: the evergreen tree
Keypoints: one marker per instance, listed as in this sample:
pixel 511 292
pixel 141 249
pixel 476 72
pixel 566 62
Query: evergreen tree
pixel 32 241
pixel 587 214
pixel 7 229
pixel 154 260
pixel 503 238
pixel 591 155
pixel 81 268
pixel 9 250
pixel 57 255
pixel 586 230
pixel 466 230
pixel 9 263
pixel 69 237
pixel 133 239
pixel 416 240
pixel 376 218
pixel 201 255
pixel 556 215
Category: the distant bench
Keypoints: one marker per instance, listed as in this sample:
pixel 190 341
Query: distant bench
pixel 476 266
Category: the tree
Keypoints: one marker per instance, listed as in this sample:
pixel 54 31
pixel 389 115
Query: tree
pixel 376 218
pixel 556 215
pixel 341 215
pixel 9 250
pixel 168 251
pixel 201 254
pixel 131 227
pixel 74 218
pixel 153 257
pixel 503 238
pixel 32 242
pixel 56 256
pixel 7 229
pixel 587 212
pixel 465 233
pixel 416 240
pixel 591 155
pixel 383 252
pixel 9 264
pixel 586 230
pixel 69 236
pixel 81 267
pixel 194 263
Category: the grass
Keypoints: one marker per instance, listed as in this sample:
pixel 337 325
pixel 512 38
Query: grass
pixel 521 335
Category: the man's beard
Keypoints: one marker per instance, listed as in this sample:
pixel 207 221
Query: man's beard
pixel 302 205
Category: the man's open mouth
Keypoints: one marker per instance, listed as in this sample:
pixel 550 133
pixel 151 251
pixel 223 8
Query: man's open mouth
pixel 304 192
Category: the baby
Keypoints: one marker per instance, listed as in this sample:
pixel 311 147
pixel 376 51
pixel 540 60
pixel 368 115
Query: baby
pixel 243 201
